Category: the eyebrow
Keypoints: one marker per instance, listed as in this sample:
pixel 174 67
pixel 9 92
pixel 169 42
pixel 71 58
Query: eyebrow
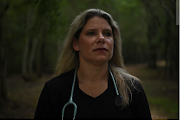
pixel 96 29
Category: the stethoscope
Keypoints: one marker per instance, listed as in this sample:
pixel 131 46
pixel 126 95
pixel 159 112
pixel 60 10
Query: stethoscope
pixel 118 99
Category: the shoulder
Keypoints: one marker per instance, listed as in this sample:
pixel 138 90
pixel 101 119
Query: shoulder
pixel 132 82
pixel 136 85
pixel 60 81
pixel 139 104
pixel 55 92
pixel 137 91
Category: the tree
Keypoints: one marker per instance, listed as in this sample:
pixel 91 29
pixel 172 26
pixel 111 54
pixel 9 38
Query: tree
pixel 33 43
pixel 3 63
pixel 162 34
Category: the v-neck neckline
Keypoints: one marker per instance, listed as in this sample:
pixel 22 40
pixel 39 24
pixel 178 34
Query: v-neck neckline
pixel 77 85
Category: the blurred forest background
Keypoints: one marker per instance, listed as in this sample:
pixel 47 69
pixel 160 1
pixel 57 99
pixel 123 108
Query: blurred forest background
pixel 31 31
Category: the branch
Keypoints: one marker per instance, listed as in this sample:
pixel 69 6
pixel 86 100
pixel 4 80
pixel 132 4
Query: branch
pixel 173 2
pixel 151 11
pixel 167 10
pixel 5 9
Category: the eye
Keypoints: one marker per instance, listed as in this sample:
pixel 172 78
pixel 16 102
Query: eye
pixel 108 34
pixel 90 33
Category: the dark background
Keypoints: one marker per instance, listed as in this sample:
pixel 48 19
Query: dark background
pixel 31 31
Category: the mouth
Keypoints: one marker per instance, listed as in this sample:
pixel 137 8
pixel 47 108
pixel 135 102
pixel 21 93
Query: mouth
pixel 101 49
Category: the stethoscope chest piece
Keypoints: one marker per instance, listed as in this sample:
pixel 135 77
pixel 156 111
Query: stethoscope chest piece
pixel 118 100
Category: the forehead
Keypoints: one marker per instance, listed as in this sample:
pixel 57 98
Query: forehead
pixel 97 23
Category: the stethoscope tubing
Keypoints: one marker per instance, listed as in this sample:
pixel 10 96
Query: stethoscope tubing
pixel 70 102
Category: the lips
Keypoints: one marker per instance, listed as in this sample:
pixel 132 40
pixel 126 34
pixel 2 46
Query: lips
pixel 100 49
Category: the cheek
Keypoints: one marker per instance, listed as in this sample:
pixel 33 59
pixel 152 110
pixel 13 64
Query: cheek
pixel 84 44
pixel 111 45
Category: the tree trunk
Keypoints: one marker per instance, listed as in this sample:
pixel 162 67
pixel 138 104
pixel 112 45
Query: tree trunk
pixel 30 49
pixel 32 56
pixel 25 72
pixel 41 46
pixel 3 90
pixel 152 48
pixel 39 58
pixel 3 63
pixel 172 61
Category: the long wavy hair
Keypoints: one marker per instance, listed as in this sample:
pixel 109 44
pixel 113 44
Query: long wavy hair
pixel 69 58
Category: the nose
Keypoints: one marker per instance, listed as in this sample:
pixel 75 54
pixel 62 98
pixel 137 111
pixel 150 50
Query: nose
pixel 101 38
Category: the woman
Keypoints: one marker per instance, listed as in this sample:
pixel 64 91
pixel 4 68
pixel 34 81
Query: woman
pixel 91 73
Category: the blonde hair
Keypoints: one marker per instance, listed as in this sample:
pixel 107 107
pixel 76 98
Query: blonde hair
pixel 69 59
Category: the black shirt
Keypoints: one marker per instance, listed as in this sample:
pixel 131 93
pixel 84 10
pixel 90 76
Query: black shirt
pixel 56 94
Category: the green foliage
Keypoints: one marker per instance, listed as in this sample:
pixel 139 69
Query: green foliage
pixel 50 20
pixel 165 104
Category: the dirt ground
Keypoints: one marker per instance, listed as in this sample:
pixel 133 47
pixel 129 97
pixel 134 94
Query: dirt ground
pixel 162 95
pixel 162 91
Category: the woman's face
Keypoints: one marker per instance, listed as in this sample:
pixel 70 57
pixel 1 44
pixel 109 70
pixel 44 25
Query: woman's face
pixel 95 44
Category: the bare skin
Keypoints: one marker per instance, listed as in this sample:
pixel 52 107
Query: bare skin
pixel 95 46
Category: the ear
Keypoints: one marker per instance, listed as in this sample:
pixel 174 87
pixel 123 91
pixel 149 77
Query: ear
pixel 75 44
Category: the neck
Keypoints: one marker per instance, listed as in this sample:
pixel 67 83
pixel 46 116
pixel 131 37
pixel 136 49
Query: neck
pixel 91 73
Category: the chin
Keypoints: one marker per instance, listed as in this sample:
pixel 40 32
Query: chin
pixel 101 61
